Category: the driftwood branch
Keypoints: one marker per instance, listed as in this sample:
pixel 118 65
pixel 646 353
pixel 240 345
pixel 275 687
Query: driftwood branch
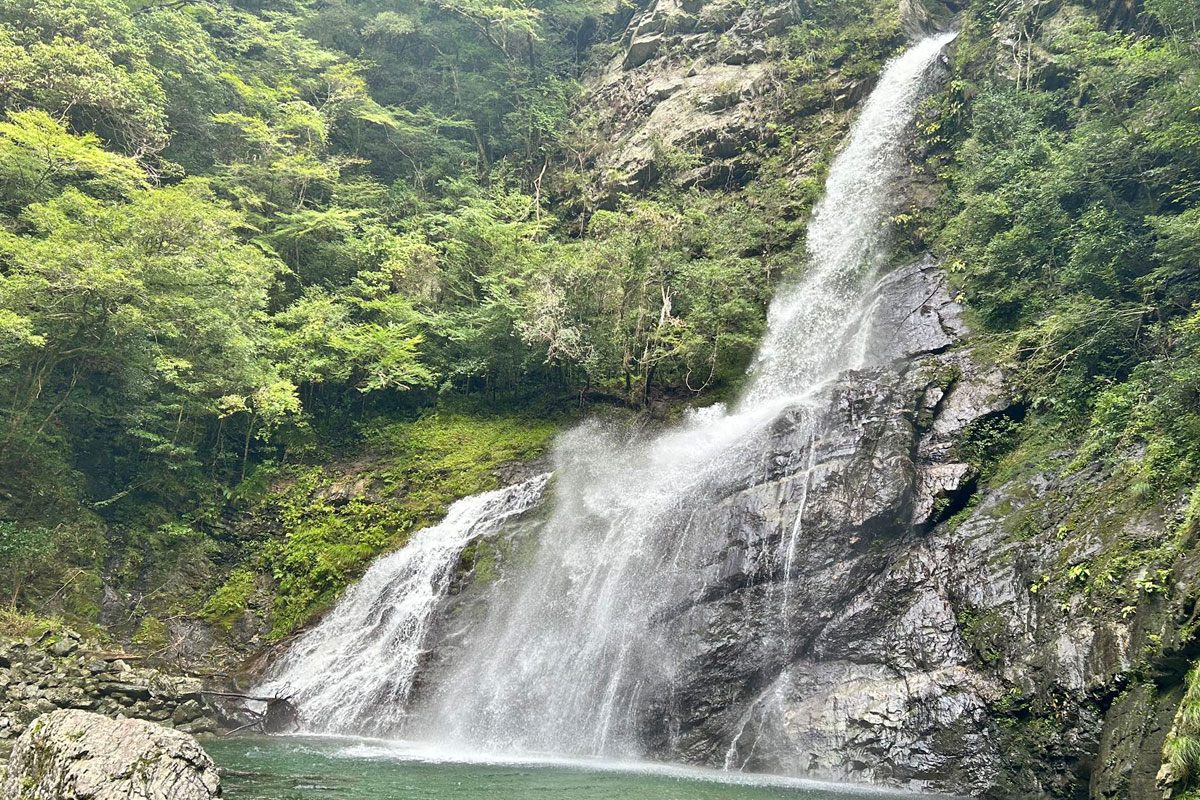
pixel 251 724
pixel 279 716
pixel 241 696
pixel 113 656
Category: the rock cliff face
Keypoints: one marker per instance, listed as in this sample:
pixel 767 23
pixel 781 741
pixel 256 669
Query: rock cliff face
pixel 851 665
pixel 1016 634
pixel 73 755
pixel 931 633
pixel 847 660
pixel 689 76
pixel 701 89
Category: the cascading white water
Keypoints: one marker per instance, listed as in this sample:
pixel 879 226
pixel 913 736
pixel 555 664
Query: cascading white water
pixel 847 241
pixel 354 672
pixel 574 656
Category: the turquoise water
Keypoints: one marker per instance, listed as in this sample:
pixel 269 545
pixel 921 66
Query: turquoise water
pixel 310 768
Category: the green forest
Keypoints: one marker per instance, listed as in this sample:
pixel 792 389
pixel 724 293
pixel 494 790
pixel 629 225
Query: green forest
pixel 281 281
pixel 242 241
pixel 239 239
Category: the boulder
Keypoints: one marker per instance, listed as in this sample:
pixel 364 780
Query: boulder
pixel 72 755
pixel 64 646
pixel 914 313
pixel 129 689
pixel 641 50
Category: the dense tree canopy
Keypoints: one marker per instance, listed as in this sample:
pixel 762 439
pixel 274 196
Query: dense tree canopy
pixel 220 215
pixel 1072 204
pixel 235 235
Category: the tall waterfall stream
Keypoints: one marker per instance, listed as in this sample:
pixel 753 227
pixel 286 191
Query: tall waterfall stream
pixel 578 652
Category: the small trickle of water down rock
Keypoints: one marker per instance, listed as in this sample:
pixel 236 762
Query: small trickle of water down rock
pixel 581 649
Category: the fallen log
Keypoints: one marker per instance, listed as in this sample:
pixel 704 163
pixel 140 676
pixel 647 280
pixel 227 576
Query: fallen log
pixel 279 716
pixel 103 656
pixel 241 696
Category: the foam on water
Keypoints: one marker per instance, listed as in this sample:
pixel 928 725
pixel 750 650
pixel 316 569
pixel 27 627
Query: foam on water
pixel 367 748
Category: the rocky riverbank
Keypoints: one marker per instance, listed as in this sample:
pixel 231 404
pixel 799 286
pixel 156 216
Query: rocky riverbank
pixel 65 671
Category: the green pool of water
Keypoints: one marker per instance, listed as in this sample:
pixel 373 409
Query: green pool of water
pixel 309 768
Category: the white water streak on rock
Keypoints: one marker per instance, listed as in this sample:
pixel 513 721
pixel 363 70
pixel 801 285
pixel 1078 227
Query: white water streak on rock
pixel 573 657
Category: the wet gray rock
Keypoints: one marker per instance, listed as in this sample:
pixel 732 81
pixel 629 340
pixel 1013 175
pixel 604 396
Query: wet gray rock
pixel 914 312
pixel 888 646
pixel 77 755
pixel 843 660
pixel 861 610
pixel 823 635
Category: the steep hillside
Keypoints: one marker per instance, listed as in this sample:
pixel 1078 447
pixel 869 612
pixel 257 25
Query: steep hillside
pixel 278 284
pixel 1013 613
pixel 155 458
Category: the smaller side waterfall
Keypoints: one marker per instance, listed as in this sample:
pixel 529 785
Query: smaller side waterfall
pixel 354 672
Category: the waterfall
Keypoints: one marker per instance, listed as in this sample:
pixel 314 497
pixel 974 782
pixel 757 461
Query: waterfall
pixel 354 672
pixel 847 241
pixel 576 656
pixel 578 652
